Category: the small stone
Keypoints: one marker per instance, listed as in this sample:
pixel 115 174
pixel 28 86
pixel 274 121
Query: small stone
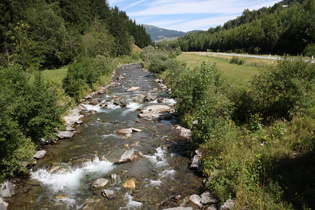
pixel 228 205
pixel 65 135
pixel 196 200
pixel 3 205
pixel 78 122
pixel 206 198
pixel 128 156
pixel 7 190
pixel 101 182
pixel 127 131
pixel 40 154
pixel 108 194
pixel 131 184
pixel 136 130
pixel 133 89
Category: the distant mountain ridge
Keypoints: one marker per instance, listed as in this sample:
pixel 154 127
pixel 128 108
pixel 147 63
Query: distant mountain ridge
pixel 159 34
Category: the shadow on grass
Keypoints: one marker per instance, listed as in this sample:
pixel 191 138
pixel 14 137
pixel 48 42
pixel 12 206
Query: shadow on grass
pixel 296 176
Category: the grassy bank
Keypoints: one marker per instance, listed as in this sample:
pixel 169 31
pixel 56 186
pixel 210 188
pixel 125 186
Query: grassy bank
pixel 258 142
pixel 238 75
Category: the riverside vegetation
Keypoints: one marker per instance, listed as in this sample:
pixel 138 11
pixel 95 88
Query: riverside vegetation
pixel 86 37
pixel 258 141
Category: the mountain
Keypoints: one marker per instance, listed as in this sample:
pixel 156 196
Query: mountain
pixel 158 34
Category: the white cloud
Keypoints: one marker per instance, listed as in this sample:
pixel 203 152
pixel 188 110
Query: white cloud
pixel 186 15
pixel 133 4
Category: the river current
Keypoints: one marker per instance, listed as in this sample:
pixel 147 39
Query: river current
pixel 159 172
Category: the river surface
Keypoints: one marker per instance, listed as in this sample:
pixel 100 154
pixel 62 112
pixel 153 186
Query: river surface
pixel 160 169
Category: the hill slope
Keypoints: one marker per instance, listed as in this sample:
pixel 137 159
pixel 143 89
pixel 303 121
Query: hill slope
pixel 157 33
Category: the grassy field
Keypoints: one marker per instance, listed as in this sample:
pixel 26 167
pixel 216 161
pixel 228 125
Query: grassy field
pixel 237 75
pixel 55 75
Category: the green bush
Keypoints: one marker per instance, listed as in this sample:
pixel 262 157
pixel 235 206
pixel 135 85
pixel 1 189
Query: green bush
pixel 29 110
pixel 237 60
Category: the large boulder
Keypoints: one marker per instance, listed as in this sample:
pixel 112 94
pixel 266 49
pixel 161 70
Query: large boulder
pixel 101 182
pixel 7 190
pixel 128 156
pixel 40 154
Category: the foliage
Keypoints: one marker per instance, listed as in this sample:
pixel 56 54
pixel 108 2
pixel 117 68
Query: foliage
pixel 237 60
pixel 30 110
pixel 277 30
pixel 259 165
pixel 84 74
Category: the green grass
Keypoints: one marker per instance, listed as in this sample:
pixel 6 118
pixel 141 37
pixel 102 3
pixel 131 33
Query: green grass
pixel 236 75
pixel 55 75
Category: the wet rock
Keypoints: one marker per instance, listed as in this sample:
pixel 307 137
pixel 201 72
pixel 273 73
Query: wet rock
pixel 127 132
pixel 154 90
pixel 128 156
pixel 65 135
pixel 229 204
pixel 140 99
pixel 166 116
pixel 7 190
pixel 154 111
pixel 108 194
pixel 136 130
pixel 184 132
pixel 197 161
pixel 40 154
pixel 206 198
pixel 3 205
pixel 70 129
pixel 180 208
pixel 61 197
pixel 101 182
pixel 130 184
pixel 94 101
pixel 133 89
pixel 196 199
pixel 78 122
pixel 115 179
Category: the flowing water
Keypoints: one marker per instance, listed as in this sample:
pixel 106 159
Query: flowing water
pixel 160 169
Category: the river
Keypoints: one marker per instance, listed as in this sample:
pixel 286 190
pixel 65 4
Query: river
pixel 159 172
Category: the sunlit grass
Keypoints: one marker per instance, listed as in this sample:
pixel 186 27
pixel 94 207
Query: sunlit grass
pixel 236 75
pixel 56 75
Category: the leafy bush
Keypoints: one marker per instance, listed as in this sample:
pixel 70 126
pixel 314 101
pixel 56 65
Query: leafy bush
pixel 84 74
pixel 29 110
pixel 237 60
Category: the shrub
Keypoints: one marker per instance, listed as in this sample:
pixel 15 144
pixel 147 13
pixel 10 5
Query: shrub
pixel 237 60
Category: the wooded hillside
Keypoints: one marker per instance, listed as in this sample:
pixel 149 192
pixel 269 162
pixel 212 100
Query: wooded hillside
pixel 287 27
pixel 50 33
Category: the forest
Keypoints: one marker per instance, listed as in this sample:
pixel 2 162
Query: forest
pixel 288 27
pixel 84 35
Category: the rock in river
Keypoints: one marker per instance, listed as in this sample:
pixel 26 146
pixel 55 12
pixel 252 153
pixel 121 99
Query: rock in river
pixel 7 190
pixel 101 182
pixel 40 154
pixel 128 156
pixel 65 135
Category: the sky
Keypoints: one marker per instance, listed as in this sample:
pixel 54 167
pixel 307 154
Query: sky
pixel 187 15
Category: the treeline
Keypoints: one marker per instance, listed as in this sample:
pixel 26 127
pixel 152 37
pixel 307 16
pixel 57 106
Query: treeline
pixel 85 35
pixel 285 28
pixel 258 143
pixel 50 33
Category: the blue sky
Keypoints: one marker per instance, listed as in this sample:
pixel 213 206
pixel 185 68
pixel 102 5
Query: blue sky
pixel 187 15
